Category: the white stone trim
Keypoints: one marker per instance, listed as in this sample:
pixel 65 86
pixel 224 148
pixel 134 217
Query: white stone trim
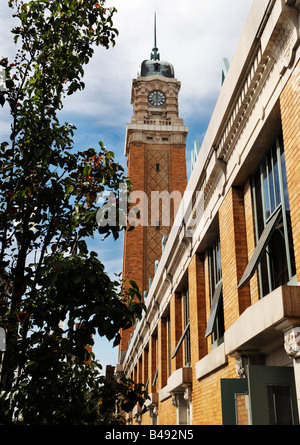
pixel 212 361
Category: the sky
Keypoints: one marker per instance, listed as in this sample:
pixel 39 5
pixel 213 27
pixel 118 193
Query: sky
pixel 193 35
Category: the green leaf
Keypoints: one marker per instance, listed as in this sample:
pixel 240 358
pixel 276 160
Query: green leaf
pixel 69 189
pixel 87 170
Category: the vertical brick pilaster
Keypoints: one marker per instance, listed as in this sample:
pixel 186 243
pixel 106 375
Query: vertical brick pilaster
pixel 197 308
pixel 290 116
pixel 234 255
pixel 145 365
pixel 162 353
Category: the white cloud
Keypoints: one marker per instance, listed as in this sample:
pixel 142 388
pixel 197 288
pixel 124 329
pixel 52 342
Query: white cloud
pixel 194 38
pixel 193 35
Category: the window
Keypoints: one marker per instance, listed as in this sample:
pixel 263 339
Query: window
pixel 274 253
pixel 153 357
pixel 215 324
pixel 169 344
pixel 155 377
pixel 186 331
pixel 186 319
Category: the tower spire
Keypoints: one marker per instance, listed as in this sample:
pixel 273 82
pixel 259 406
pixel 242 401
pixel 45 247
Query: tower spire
pixel 155 54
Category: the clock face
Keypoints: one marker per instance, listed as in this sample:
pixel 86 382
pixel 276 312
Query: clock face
pixel 156 98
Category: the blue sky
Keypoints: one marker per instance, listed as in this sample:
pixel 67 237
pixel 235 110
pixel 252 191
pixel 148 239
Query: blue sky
pixel 194 35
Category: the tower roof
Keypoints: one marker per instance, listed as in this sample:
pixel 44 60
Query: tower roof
pixel 155 65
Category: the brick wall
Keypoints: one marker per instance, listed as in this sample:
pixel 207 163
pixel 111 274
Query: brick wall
pixel 290 115
pixel 178 168
pixel 145 365
pixel 167 413
pixel 234 255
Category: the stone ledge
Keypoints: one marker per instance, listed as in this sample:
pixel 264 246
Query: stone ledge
pixel 215 359
pixel 262 324
pixel 152 401
pixel 164 394
pixel 179 380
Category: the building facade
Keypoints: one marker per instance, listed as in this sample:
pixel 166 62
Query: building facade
pixel 155 150
pixel 220 341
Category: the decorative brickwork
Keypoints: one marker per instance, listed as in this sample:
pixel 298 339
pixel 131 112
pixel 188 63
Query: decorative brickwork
pixel 157 170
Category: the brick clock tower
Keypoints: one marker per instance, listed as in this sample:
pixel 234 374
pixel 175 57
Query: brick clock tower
pixel 155 150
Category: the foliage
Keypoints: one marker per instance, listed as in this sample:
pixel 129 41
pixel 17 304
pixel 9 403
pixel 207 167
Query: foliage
pixel 48 207
pixel 81 395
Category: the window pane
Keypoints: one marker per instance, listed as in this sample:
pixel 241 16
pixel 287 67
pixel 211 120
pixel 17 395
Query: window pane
pixel 219 328
pixel 258 203
pixel 218 259
pixel 284 181
pixel 276 178
pixel 266 195
pixel 214 309
pixel 186 323
pixel 215 325
pixel 261 246
pixel 271 182
pixel 277 253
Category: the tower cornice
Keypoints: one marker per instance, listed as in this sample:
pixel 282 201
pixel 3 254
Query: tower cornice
pixel 140 134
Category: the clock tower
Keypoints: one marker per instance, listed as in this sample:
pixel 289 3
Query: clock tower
pixel 155 150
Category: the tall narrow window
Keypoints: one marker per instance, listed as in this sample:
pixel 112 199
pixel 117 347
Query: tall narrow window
pixel 185 337
pixel 186 320
pixel 154 362
pixel 215 324
pixel 274 253
pixel 169 344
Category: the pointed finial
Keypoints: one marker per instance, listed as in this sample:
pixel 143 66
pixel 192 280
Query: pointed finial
pixel 155 53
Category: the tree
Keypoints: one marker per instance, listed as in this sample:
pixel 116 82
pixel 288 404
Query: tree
pixel 48 207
